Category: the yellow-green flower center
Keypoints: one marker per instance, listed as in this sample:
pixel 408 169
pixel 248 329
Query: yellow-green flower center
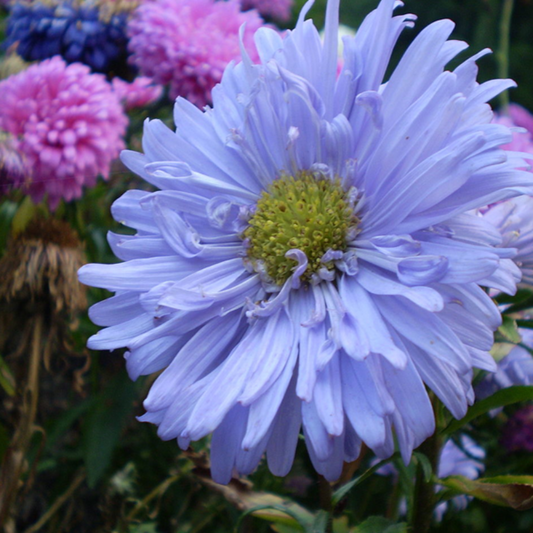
pixel 303 212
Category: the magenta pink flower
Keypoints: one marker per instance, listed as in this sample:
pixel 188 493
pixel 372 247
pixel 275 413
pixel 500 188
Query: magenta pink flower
pixel 188 43
pixel 516 116
pixel 521 117
pixel 139 93
pixel 67 123
pixel 278 9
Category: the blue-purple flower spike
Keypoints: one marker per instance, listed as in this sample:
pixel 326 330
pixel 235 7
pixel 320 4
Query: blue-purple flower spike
pixel 311 261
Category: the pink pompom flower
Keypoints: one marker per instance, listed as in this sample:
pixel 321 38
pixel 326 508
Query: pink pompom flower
pixel 278 9
pixel 188 43
pixel 521 117
pixel 139 93
pixel 517 117
pixel 66 122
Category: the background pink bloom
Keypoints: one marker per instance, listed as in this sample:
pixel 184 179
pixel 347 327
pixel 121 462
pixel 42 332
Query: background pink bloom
pixel 278 9
pixel 517 116
pixel 67 124
pixel 188 43
pixel 521 117
pixel 139 93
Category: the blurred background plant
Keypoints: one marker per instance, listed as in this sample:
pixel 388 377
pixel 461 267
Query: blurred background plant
pixel 73 457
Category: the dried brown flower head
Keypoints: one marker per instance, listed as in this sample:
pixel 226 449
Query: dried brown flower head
pixel 40 268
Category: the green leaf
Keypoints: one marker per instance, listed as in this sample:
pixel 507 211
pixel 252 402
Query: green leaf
pixel 149 527
pixel 499 399
pixel 339 494
pixel 528 324
pixel 321 522
pixel 521 301
pixel 7 212
pixel 507 491
pixel 7 381
pixel 104 424
pixel 378 524
pixel 24 214
pixel 424 462
pixel 60 426
pixel 279 514
pixel 340 525
pixel 509 330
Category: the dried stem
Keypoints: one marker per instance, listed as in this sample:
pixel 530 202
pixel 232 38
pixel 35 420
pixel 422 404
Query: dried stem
pixel 57 504
pixel 14 459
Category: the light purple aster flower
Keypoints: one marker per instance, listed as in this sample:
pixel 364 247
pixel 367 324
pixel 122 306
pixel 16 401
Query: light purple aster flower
pixel 516 368
pixel 310 261
pixel 464 460
pixel 514 220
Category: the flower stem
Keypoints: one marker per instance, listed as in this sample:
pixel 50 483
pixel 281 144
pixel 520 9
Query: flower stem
pixel 503 50
pixel 424 494
pixel 326 494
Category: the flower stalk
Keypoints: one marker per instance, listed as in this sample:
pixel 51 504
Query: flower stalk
pixel 503 50
pixel 424 494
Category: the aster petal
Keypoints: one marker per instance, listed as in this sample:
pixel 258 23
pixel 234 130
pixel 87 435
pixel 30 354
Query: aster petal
pixel 359 303
pixel 225 444
pixel 376 282
pixel 233 375
pixel 265 409
pixel 115 310
pixel 281 447
pixel 328 398
pixel 435 338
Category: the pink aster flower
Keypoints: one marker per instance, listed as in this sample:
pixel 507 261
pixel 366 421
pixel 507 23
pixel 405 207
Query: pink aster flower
pixel 278 9
pixel 188 43
pixel 517 117
pixel 66 122
pixel 521 117
pixel 139 93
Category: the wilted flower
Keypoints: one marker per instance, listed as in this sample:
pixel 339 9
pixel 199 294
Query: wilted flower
pixel 278 9
pixel 514 220
pixel 40 266
pixel 66 122
pixel 139 93
pixel 311 260
pixel 188 43
pixel 38 273
pixel 89 31
pixel 517 434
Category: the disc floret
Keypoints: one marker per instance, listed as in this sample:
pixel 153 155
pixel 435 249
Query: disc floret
pixel 306 212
